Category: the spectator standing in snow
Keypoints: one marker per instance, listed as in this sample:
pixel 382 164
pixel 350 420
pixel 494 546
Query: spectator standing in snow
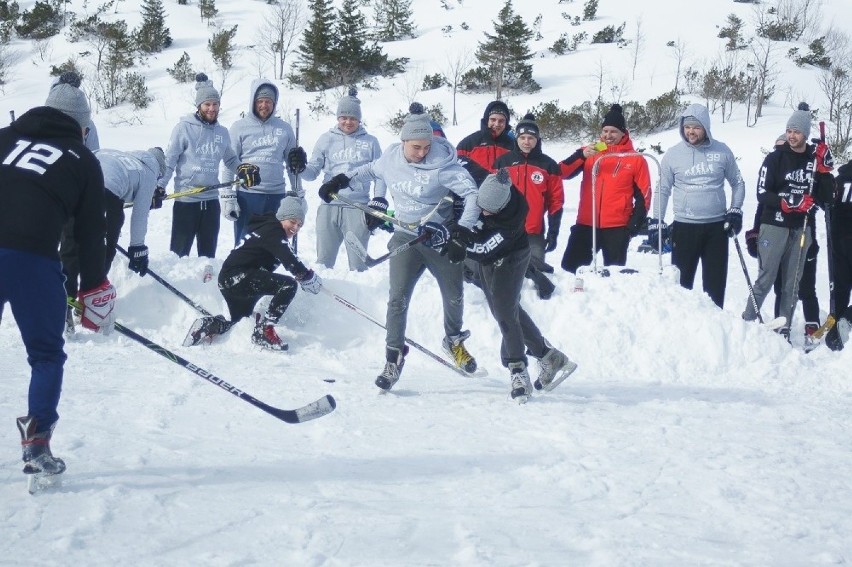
pixel 197 144
pixel 342 149
pixel 694 173
pixel 47 175
pixel 478 151
pixel 267 141
pixel 841 241
pixel 622 196
pixel 784 191
pixel 420 173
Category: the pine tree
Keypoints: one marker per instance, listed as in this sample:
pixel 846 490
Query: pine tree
pixel 352 52
pixel 207 9
pixel 505 54
pixel 393 19
pixel 313 70
pixel 153 36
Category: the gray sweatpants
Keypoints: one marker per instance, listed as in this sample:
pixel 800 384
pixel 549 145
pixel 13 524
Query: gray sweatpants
pixel 777 249
pixel 502 282
pixel 333 222
pixel 405 269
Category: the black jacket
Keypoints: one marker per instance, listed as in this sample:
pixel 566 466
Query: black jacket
pixel 497 236
pixel 47 176
pixel 841 215
pixel 264 247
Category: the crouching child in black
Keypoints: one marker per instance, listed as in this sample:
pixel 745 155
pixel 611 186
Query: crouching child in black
pixel 499 244
pixel 249 271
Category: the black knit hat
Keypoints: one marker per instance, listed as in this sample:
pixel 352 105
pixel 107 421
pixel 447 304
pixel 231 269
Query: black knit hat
pixel 615 118
pixel 527 125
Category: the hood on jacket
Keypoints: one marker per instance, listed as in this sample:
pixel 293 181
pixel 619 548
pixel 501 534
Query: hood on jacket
pixel 845 169
pixel 258 220
pixel 47 122
pixel 255 86
pixel 700 112
pixel 440 155
pixel 502 108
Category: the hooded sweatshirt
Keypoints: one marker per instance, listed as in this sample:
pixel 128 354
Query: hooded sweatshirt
pixel 417 188
pixel 696 176
pixel 264 143
pixel 337 152
pixel 132 177
pixel 841 215
pixel 195 149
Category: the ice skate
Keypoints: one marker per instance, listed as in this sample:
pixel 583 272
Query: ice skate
pixel 520 388
pixel 394 361
pixel 555 367
pixel 43 470
pixel 264 335
pixel 455 349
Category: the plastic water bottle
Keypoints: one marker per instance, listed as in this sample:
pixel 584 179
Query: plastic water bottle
pixel 578 284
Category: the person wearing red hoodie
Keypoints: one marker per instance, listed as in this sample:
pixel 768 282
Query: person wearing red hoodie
pixel 538 178
pixel 478 151
pixel 622 195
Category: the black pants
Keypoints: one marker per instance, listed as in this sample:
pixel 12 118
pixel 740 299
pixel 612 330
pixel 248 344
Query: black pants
pixel 242 291
pixel 197 222
pixel 807 287
pixel 842 252
pixel 68 251
pixel 611 241
pixel 708 244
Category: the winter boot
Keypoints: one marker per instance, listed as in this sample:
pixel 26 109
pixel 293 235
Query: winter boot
pixel 265 336
pixel 811 342
pixel 520 388
pixel 454 347
pixel 395 360
pixel 555 367
pixel 36 449
pixel 837 337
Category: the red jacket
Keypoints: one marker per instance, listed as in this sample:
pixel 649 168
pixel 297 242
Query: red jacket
pixel 538 178
pixel 616 180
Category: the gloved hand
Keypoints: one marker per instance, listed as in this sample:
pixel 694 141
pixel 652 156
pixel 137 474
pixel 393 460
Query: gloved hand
pixel 98 304
pixel 379 204
pixel 824 159
pixel 804 206
pixel 157 199
pixel 655 225
pixel 553 223
pixel 751 241
pixel 637 219
pixel 297 159
pixel 249 174
pixel 228 203
pixel 310 282
pixel 329 189
pixel 138 259
pixel 439 234
pixel 733 222
pixel 456 249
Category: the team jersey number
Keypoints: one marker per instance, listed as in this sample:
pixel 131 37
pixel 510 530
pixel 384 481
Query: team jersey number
pixel 34 157
pixel 846 196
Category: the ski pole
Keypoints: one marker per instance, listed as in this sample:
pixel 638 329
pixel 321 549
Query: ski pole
pixel 748 281
pixel 418 346
pixel 169 286
pixel 313 410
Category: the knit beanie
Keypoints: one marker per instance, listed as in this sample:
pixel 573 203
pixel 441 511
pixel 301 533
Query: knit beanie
pixel 265 91
pixel 350 105
pixel 291 208
pixel 417 125
pixel 781 139
pixel 71 101
pixel 158 154
pixel 615 118
pixel 692 121
pixel 204 90
pixel 497 107
pixel 494 192
pixel 801 119
pixel 527 125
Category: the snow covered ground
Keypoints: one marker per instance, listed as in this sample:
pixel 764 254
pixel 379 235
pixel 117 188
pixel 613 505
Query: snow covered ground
pixel 686 437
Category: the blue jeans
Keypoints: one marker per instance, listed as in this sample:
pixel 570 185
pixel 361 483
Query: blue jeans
pixel 253 204
pixel 33 287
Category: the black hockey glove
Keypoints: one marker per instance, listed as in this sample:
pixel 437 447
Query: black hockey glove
pixel 379 204
pixel 138 259
pixel 157 199
pixel 249 174
pixel 733 222
pixel 329 189
pixel 297 159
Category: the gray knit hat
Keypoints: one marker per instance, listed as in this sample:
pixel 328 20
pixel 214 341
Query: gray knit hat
pixel 71 101
pixel 265 91
pixel 691 121
pixel 494 192
pixel 801 119
pixel 417 125
pixel 204 90
pixel 350 105
pixel 291 208
pixel 158 154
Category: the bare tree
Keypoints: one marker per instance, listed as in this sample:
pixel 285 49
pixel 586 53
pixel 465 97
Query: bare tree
pixel 764 71
pixel 638 44
pixel 458 64
pixel 679 53
pixel 836 85
pixel 8 59
pixel 284 22
pixel 410 84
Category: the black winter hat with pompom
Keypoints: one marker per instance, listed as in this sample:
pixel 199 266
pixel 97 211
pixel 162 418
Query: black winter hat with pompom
pixel 527 125
pixel 615 118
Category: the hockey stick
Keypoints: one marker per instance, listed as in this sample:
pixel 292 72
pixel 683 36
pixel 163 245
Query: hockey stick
pixel 418 346
pixel 409 227
pixel 748 280
pixel 170 287
pixel 313 410
pixel 295 241
pixel 194 191
pixel 355 245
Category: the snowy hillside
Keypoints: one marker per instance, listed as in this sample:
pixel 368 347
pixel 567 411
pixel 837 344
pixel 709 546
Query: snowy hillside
pixel 686 437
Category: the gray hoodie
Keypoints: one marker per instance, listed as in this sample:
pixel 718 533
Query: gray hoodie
pixel 417 188
pixel 336 152
pixel 263 143
pixel 132 177
pixel 194 152
pixel 696 176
